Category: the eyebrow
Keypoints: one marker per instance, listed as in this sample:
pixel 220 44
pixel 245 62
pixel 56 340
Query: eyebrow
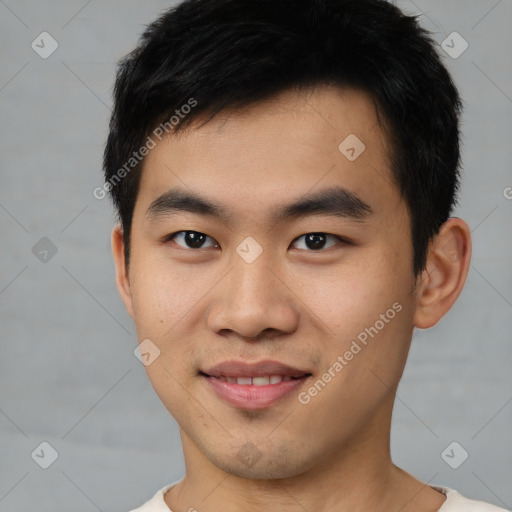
pixel 334 201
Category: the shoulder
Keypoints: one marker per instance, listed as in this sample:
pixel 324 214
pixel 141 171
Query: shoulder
pixel 455 502
pixel 156 503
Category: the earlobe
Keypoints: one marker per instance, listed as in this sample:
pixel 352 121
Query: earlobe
pixel 443 279
pixel 122 279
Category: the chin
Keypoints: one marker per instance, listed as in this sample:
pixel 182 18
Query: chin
pixel 260 471
pixel 269 463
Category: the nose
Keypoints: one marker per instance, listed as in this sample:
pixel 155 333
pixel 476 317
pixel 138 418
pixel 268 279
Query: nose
pixel 253 301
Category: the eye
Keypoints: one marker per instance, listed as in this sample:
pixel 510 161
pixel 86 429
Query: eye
pixel 317 241
pixel 191 239
pixel 196 240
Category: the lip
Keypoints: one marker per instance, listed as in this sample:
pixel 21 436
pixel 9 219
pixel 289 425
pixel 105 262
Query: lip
pixel 250 396
pixel 263 368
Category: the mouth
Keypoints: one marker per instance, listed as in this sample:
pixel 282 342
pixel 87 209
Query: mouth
pixel 260 380
pixel 253 386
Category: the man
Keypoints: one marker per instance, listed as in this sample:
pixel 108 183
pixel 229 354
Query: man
pixel 284 174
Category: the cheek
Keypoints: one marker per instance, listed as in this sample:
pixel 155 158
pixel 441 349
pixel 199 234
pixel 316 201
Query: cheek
pixel 366 312
pixel 164 298
pixel 167 299
pixel 164 293
pixel 347 298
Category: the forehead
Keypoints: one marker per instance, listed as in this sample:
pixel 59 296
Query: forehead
pixel 284 147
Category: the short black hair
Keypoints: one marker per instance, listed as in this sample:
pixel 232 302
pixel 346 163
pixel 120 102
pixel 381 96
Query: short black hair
pixel 217 54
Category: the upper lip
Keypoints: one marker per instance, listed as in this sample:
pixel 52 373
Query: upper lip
pixel 262 368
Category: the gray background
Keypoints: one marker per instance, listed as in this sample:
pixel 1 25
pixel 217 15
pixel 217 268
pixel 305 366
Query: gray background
pixel 68 375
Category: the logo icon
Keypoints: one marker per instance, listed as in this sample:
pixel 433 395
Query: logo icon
pixel 249 250
pixel 44 250
pixel 351 147
pixel 146 352
pixel 454 455
pixel 249 454
pixel 454 45
pixel 44 45
pixel 44 455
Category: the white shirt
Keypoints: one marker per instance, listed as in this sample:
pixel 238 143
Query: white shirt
pixel 455 502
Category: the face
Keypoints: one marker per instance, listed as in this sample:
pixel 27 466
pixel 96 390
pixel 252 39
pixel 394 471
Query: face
pixel 324 287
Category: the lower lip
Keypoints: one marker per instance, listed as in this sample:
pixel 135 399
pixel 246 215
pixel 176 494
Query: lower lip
pixel 249 396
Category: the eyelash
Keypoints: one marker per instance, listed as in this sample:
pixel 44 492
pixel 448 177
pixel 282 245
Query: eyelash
pixel 340 239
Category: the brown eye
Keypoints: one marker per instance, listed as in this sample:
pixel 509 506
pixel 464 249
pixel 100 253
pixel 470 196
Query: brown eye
pixel 317 241
pixel 191 239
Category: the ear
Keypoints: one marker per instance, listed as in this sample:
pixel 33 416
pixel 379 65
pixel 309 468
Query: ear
pixel 440 284
pixel 122 279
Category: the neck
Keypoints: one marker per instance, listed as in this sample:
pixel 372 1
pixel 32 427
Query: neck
pixel 357 476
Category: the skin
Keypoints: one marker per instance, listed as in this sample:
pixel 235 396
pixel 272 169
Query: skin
pixel 292 304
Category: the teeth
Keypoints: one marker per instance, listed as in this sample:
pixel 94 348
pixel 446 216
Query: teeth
pixel 263 380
